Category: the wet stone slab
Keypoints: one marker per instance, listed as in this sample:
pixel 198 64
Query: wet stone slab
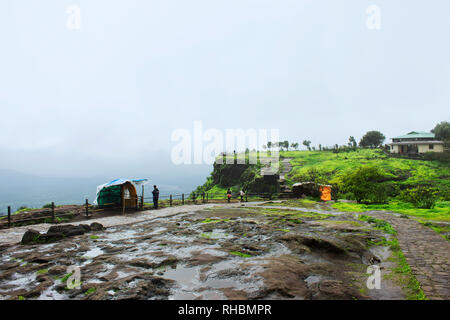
pixel 214 252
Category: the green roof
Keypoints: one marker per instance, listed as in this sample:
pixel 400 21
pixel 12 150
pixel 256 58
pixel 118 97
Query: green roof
pixel 416 134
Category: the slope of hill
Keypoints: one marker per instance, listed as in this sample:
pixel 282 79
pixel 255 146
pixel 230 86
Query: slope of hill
pixel 400 173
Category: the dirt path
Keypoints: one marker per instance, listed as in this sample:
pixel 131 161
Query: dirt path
pixel 14 235
pixel 427 253
pixel 286 168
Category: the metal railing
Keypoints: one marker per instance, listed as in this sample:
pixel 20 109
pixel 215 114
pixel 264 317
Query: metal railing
pixel 141 203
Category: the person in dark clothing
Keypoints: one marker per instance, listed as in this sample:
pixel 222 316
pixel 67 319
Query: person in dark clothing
pixel 155 193
pixel 229 194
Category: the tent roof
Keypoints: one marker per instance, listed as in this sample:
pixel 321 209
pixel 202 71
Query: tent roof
pixel 120 181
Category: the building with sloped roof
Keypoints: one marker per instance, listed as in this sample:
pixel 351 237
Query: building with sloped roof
pixel 416 142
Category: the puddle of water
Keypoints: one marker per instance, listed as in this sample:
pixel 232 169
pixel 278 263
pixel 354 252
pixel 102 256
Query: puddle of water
pixel 312 279
pixel 216 234
pixel 121 274
pixel 184 276
pixel 22 281
pixel 382 253
pixel 108 267
pixel 212 295
pixel 114 235
pixel 157 231
pixel 50 294
pixel 94 252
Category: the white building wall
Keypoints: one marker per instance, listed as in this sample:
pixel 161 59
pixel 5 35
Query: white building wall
pixel 394 148
pixel 436 148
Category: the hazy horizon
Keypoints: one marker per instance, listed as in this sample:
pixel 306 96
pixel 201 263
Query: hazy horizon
pixel 104 99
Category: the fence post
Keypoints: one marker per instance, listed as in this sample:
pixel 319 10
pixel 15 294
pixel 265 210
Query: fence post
pixel 53 212
pixel 170 200
pixel 246 197
pixel 203 197
pixel 9 217
pixel 182 198
pixel 87 208
pixel 142 198
pixel 207 197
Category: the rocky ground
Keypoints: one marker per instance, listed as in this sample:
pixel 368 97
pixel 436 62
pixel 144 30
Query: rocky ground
pixel 207 252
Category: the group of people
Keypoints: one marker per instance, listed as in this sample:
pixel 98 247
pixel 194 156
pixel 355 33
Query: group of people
pixel 241 194
pixel 155 193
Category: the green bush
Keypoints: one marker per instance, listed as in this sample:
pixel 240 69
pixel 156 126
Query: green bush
pixel 439 156
pixel 365 183
pixel 423 197
pixel 47 206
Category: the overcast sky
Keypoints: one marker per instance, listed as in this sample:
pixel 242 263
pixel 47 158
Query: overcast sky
pixel 105 99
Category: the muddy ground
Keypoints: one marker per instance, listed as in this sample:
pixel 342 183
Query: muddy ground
pixel 214 253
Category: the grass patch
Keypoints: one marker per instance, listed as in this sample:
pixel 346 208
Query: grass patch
pixel 353 223
pixel 441 230
pixel 335 165
pixel 240 254
pixel 302 203
pixel 212 235
pixel 441 212
pixel 89 291
pixel 378 224
pixel 403 275
pixel 23 209
pixel 42 271
pixel 291 213
pixel 93 237
pixel 66 277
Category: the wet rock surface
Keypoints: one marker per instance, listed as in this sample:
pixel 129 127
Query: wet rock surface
pixel 216 253
pixel 59 232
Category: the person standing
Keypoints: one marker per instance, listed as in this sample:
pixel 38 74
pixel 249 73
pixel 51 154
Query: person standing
pixel 155 193
pixel 229 194
pixel 241 193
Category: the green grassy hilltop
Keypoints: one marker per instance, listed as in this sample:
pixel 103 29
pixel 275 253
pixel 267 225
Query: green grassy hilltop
pixel 402 172
pixel 331 167
pixel 398 175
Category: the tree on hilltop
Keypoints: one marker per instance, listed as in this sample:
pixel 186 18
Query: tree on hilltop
pixel 442 131
pixel 372 139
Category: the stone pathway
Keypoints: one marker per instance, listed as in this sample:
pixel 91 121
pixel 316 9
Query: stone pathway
pixel 285 190
pixel 427 253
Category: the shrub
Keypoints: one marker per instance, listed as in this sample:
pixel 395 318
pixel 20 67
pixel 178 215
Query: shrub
pixel 423 197
pixel 439 156
pixel 365 185
pixel 47 206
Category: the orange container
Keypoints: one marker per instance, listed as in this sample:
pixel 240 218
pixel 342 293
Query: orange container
pixel 325 193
